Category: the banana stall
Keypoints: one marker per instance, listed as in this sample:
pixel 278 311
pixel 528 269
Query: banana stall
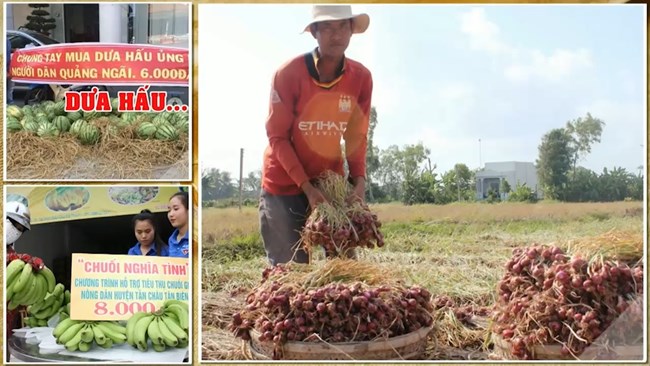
pixel 81 298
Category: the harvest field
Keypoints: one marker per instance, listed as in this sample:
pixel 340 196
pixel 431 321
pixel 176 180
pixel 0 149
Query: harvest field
pixel 457 252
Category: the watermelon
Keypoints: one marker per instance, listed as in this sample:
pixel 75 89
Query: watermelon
pixel 147 130
pixel 91 115
pixel 61 123
pixel 180 118
pixel 47 130
pixel 31 126
pixel 76 127
pixel 73 116
pixel 13 124
pixel 14 111
pixel 166 132
pixel 160 120
pixel 27 119
pixel 115 104
pixel 141 118
pixel 51 116
pixel 43 120
pixel 128 116
pixel 184 127
pixel 168 115
pixel 28 110
pixel 183 119
pixel 89 134
pixel 51 109
pixel 59 108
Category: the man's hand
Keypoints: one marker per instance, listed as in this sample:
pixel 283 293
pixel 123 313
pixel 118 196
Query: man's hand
pixel 314 195
pixel 359 190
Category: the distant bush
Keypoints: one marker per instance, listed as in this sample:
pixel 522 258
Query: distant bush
pixel 522 193
pixel 493 196
pixel 230 202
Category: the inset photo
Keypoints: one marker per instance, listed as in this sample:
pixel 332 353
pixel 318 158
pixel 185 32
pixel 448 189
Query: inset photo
pixel 98 274
pixel 98 91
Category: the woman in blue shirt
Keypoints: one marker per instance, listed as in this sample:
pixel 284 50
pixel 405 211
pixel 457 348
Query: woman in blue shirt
pixel 177 213
pixel 149 242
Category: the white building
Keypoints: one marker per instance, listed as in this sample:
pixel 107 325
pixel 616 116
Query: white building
pixel 155 23
pixel 513 172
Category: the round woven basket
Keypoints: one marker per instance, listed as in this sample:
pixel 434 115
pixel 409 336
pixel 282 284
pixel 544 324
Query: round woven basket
pixel 554 352
pixel 404 347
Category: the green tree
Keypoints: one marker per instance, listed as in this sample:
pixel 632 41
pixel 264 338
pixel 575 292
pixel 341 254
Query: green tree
pixel 584 133
pixel 456 184
pixel 420 189
pixel 40 20
pixel 412 158
pixel 398 166
pixel 554 163
pixel 419 185
pixel 635 187
pixel 465 179
pixel 613 184
pixel 449 188
pixel 216 184
pixel 583 186
pixel 388 173
pixel 252 183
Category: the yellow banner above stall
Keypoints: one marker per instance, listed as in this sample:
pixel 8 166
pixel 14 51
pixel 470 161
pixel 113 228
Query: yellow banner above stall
pixel 67 203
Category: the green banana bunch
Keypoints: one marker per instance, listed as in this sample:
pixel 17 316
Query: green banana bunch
pixel 79 335
pixel 64 312
pixel 48 306
pixel 166 327
pixel 26 285
pixel 32 322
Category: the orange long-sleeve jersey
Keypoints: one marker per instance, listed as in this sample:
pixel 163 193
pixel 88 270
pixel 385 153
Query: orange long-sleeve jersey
pixel 307 120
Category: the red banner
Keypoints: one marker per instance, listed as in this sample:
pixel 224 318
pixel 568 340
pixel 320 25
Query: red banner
pixel 101 64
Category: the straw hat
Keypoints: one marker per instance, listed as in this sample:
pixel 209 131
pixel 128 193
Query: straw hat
pixel 321 13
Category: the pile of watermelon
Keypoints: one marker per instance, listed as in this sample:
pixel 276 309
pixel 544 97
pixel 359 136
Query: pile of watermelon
pixel 49 119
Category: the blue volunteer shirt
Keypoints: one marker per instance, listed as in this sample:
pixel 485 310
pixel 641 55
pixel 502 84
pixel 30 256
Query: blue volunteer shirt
pixel 179 248
pixel 135 250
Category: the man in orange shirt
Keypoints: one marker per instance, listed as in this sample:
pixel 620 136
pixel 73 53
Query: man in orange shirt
pixel 317 99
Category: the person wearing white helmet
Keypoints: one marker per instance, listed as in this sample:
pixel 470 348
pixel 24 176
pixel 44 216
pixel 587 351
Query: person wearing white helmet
pixel 17 221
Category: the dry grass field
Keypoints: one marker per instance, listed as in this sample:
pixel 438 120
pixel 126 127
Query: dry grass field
pixel 456 250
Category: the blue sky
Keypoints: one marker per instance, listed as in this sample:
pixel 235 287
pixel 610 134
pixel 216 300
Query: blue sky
pixel 444 75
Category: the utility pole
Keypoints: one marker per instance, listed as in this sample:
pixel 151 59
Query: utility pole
pixel 241 174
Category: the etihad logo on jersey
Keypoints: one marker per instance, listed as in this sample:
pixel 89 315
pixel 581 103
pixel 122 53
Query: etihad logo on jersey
pixel 322 128
pixel 345 103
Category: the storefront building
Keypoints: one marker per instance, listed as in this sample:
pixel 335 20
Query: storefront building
pixel 159 23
